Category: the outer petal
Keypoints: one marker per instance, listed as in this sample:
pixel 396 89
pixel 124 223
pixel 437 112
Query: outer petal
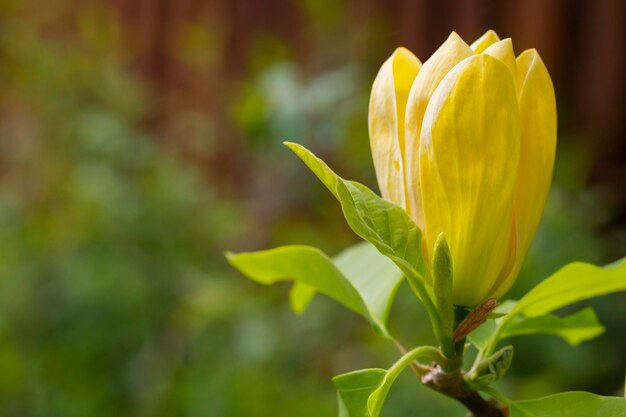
pixel 469 155
pixel 538 146
pixel 503 50
pixel 386 122
pixel 490 37
pixel 453 51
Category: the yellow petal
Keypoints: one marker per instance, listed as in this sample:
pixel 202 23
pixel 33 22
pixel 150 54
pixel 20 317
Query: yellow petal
pixel 386 122
pixel 453 51
pixel 537 107
pixel 503 50
pixel 469 155
pixel 482 43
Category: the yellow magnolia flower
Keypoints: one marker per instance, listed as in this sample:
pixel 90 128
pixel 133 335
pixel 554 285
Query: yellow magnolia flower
pixel 465 143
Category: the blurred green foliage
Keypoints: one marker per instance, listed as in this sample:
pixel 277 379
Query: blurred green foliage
pixel 114 295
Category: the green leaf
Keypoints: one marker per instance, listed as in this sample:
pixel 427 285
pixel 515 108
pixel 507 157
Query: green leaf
pixel 575 328
pixel 360 278
pixel 355 388
pixel 375 277
pixel 301 296
pixel 480 337
pixel 570 404
pixel 380 222
pixel 304 264
pixel 362 393
pixel 572 283
pixel 385 225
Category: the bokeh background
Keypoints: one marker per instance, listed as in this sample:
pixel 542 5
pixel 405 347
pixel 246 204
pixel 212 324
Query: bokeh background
pixel 140 139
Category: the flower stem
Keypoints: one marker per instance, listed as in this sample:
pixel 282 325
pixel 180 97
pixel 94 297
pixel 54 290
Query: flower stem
pixel 447 377
pixel 479 407
pixel 453 386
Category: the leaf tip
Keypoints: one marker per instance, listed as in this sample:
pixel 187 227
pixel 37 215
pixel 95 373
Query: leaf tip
pixel 230 257
pixel 291 145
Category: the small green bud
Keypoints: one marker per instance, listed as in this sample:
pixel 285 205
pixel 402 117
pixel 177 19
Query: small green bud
pixel 442 284
pixel 494 367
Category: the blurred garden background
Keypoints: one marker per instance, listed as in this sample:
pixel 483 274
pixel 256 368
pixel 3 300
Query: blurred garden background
pixel 140 139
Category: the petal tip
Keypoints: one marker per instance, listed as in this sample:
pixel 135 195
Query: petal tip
pixel 530 55
pixel 488 38
pixel 402 50
pixel 402 53
pixel 455 37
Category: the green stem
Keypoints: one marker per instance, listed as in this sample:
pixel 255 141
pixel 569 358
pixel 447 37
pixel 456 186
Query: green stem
pixel 418 287
pixel 493 341
pixel 494 394
pixel 417 367
pixel 422 352
pixel 448 383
